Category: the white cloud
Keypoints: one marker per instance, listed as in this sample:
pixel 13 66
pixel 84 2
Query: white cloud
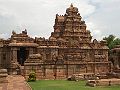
pixel 3 36
pixel 37 16
pixel 106 18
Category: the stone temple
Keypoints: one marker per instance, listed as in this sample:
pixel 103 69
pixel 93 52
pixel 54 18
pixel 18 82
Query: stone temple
pixel 69 50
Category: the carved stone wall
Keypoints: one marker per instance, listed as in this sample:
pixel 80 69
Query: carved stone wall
pixel 114 58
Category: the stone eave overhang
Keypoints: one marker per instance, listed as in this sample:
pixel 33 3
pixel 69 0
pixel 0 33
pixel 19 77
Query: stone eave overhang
pixel 48 47
pixel 23 45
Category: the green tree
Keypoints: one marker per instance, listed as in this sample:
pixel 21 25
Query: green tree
pixel 112 41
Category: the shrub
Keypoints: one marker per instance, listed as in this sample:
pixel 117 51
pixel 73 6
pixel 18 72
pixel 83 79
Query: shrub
pixel 32 76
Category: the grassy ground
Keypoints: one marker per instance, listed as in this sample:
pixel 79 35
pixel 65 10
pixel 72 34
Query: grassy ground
pixel 66 85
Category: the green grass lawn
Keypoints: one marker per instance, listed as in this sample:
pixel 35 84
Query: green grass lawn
pixel 66 85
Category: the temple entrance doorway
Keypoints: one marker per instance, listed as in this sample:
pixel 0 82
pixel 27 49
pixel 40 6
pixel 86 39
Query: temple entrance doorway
pixel 22 55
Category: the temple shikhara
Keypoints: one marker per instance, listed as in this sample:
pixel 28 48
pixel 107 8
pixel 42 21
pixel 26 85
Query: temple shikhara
pixel 69 50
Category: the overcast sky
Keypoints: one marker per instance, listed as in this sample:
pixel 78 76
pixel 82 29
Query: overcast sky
pixel 37 16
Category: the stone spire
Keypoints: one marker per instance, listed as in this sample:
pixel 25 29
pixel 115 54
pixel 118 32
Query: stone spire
pixel 71 5
pixel 72 10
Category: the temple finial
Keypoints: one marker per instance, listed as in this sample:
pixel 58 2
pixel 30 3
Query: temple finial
pixel 13 32
pixel 71 5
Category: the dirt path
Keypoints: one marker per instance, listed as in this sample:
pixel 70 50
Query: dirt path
pixel 15 82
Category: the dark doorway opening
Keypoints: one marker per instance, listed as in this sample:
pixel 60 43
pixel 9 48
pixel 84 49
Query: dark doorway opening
pixel 22 55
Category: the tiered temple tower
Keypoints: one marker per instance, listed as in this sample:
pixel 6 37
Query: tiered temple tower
pixel 70 26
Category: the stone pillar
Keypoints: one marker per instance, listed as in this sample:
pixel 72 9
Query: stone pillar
pixel 30 51
pixel 14 55
pixel 116 64
pixel 14 63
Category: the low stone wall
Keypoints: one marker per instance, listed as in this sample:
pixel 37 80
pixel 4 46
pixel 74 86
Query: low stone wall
pixel 103 82
pixel 108 82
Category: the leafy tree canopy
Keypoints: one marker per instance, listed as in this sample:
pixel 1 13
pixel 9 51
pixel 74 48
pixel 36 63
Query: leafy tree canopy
pixel 112 41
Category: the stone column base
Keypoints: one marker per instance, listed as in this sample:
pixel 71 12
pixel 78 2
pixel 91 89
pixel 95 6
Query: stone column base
pixel 3 75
